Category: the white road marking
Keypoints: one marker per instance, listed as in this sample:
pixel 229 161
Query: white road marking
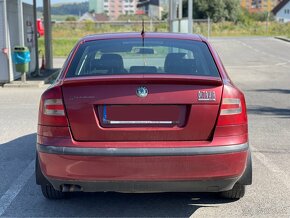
pixel 262 52
pixel 282 64
pixel 257 66
pixel 277 172
pixel 15 188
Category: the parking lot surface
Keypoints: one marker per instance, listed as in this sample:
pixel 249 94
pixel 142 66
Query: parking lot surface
pixel 259 66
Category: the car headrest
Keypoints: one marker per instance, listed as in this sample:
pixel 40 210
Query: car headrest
pixel 112 60
pixel 176 63
pixel 172 59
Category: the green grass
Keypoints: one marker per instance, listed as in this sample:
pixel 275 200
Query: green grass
pixel 62 17
pixel 61 46
pixel 66 35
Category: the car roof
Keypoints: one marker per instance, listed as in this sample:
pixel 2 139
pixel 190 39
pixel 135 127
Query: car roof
pixel 184 36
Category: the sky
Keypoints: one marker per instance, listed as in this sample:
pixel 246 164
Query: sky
pixel 39 2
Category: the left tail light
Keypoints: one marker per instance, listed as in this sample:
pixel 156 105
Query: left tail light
pixel 51 109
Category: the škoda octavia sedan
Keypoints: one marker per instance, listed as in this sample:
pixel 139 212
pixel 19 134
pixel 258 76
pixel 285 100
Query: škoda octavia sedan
pixel 150 112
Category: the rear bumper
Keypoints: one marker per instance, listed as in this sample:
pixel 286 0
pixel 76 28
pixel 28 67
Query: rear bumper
pixel 142 152
pixel 201 169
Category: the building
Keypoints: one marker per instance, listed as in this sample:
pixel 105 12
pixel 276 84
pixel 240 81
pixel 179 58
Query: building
pixel 96 6
pixel 282 11
pixel 113 8
pixel 254 6
pixel 94 17
pixel 11 36
pixel 151 8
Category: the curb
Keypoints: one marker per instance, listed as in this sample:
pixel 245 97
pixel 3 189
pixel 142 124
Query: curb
pixel 282 38
pixel 28 84
pixel 33 83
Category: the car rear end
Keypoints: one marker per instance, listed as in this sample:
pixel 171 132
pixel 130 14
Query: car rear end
pixel 133 113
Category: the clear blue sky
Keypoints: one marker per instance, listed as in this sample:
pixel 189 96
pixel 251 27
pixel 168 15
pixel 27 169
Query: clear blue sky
pixel 39 2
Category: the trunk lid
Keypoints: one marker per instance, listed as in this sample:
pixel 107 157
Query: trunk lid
pixel 109 109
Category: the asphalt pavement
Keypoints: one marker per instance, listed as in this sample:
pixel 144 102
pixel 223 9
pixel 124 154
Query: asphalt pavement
pixel 259 66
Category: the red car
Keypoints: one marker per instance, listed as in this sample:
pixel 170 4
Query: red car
pixel 153 112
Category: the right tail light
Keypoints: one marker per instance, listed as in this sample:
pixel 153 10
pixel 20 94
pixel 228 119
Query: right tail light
pixel 232 120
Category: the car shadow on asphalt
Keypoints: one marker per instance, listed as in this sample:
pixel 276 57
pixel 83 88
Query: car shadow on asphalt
pixel 21 148
pixel 268 110
pixel 279 91
pixel 136 205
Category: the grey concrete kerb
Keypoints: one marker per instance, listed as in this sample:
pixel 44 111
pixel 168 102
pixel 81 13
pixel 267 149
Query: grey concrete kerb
pixel 282 38
pixel 34 82
pixel 28 84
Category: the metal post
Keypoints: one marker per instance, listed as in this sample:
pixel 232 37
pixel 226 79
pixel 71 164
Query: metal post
pixel 47 34
pixel 180 9
pixel 21 31
pixel 174 9
pixel 7 42
pixel 208 27
pixel 23 77
pixel 190 16
pixel 20 22
pixel 179 15
pixel 267 22
pixel 36 73
pixel 170 15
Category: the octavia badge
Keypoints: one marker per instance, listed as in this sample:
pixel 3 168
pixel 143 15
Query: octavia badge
pixel 206 96
pixel 142 92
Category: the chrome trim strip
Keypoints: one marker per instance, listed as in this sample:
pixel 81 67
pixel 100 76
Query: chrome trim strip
pixel 115 122
pixel 206 99
pixel 140 152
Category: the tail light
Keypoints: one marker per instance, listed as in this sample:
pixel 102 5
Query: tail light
pixel 51 109
pixel 233 107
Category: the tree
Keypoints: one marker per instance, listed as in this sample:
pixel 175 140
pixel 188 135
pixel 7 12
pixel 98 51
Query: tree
pixel 70 18
pixel 70 8
pixel 217 10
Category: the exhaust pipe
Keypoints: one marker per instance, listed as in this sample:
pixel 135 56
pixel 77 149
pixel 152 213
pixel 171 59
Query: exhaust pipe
pixel 71 188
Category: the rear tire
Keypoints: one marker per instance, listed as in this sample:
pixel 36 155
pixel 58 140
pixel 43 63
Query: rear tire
pixel 47 189
pixel 237 192
pixel 50 193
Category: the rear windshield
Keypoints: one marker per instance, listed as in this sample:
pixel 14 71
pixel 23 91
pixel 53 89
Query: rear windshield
pixel 148 56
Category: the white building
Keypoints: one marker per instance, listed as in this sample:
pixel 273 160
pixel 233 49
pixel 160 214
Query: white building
pixel 282 11
pixel 10 37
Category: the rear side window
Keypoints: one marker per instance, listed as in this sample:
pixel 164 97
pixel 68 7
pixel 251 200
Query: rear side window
pixel 135 56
